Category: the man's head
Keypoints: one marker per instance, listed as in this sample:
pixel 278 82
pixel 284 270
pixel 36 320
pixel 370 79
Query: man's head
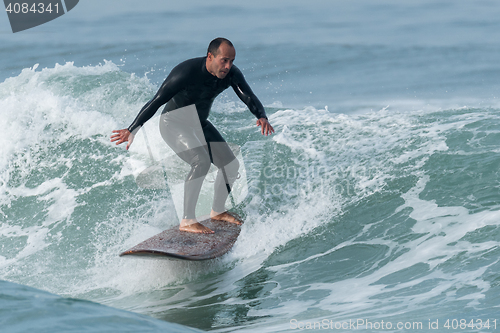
pixel 220 57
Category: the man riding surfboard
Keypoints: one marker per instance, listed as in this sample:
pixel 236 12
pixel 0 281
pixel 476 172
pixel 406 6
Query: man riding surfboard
pixel 189 92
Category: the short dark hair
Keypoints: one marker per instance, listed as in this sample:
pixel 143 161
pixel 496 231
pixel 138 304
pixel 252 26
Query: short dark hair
pixel 214 45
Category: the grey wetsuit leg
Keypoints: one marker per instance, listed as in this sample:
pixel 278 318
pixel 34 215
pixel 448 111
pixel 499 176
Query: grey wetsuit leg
pixel 199 147
pixel 182 131
pixel 223 158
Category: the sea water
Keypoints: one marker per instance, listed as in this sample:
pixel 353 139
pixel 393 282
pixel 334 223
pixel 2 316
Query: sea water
pixel 374 206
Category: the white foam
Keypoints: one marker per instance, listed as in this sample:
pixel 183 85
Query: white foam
pixel 386 140
pixel 43 110
pixel 368 298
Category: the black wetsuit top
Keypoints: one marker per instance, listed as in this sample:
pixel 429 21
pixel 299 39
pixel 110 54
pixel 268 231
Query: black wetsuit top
pixel 190 83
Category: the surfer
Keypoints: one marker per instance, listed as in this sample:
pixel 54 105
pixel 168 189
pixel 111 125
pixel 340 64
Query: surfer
pixel 189 92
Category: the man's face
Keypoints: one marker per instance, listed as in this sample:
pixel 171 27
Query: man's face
pixel 222 63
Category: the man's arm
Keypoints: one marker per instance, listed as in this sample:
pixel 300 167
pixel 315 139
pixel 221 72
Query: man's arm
pixel 245 93
pixel 171 86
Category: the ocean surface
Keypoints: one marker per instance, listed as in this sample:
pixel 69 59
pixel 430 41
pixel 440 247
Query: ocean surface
pixel 374 207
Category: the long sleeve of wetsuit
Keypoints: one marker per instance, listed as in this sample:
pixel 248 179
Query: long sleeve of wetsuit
pixel 245 93
pixel 171 86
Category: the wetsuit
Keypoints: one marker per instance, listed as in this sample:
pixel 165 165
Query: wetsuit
pixel 189 92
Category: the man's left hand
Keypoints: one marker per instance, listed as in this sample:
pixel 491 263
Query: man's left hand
pixel 266 129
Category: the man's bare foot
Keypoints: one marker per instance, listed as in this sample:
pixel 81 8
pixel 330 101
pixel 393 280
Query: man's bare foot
pixel 226 216
pixel 190 225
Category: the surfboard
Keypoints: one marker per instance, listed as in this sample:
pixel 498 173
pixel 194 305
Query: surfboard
pixel 181 245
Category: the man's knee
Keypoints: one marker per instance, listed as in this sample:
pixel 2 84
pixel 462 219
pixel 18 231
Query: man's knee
pixel 201 163
pixel 231 169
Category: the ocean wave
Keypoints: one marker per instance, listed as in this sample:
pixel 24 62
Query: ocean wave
pixel 401 204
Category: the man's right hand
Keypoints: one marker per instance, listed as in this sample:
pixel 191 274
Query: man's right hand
pixel 122 136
